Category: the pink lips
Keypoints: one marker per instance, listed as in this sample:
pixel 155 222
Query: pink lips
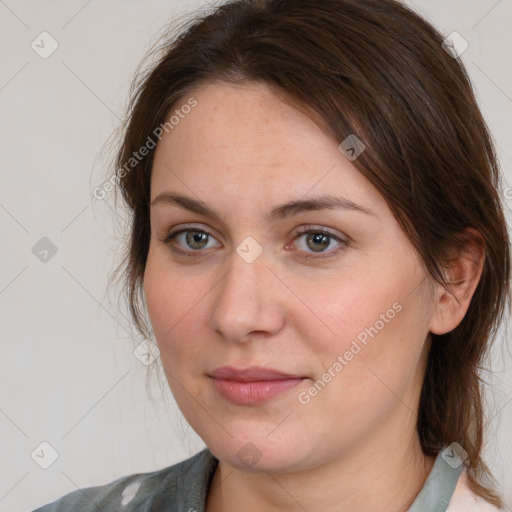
pixel 251 385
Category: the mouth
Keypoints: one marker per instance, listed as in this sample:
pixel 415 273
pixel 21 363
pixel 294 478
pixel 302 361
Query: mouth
pixel 251 386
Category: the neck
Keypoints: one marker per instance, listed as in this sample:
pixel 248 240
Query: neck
pixel 368 478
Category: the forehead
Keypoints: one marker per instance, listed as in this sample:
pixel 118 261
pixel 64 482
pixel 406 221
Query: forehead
pixel 248 140
pixel 242 120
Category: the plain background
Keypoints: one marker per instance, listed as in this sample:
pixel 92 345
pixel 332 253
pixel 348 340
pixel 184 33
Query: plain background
pixel 68 375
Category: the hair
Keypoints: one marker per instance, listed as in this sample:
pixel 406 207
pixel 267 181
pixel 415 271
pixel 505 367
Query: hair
pixel 376 69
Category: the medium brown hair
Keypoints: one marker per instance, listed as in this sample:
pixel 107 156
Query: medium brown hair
pixel 375 69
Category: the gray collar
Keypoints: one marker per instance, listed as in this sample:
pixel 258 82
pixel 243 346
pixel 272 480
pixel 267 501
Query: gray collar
pixel 437 491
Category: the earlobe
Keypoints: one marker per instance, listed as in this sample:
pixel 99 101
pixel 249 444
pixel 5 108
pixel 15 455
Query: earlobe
pixel 463 268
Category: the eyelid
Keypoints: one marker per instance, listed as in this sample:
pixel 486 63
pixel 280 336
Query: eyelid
pixel 320 229
pixel 189 227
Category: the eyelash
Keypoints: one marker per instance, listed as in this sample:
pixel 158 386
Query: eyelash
pixel 301 231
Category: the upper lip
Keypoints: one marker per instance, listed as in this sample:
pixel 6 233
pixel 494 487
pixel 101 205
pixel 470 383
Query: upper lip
pixel 251 374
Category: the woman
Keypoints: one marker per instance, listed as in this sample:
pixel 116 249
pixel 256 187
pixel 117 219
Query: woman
pixel 318 238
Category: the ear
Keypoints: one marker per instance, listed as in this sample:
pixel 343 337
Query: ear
pixel 463 269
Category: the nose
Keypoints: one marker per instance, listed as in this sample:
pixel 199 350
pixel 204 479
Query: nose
pixel 247 302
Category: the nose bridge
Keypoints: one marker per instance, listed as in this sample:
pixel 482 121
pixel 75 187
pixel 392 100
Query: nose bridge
pixel 245 300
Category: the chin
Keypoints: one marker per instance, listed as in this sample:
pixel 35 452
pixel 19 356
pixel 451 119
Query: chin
pixel 253 454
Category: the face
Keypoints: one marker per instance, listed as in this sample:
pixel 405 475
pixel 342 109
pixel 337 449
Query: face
pixel 320 314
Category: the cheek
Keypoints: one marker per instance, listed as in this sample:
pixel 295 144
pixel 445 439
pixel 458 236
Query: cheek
pixel 349 307
pixel 371 368
pixel 174 303
pixel 377 323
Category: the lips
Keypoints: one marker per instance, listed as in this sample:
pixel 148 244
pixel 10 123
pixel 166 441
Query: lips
pixel 252 374
pixel 254 385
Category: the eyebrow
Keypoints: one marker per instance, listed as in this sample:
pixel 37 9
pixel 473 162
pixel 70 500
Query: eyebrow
pixel 289 209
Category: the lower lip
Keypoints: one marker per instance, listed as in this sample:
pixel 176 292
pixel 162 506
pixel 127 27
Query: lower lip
pixel 250 393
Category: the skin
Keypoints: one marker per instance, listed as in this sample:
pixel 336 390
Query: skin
pixel 242 151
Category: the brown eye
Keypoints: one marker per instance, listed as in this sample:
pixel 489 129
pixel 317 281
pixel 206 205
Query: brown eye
pixel 189 240
pixel 319 240
pixel 196 239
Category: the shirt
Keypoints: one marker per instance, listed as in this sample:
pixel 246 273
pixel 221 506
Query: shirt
pixel 183 487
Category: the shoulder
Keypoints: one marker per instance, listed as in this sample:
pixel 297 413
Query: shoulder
pixel 465 500
pixel 128 492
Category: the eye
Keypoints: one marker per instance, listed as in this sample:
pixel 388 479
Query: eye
pixel 318 240
pixel 189 240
